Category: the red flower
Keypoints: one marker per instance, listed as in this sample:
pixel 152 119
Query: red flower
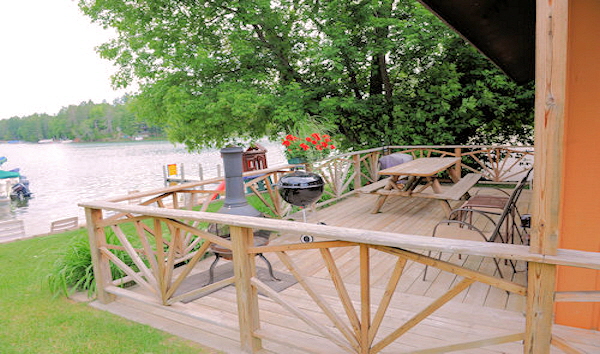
pixel 313 146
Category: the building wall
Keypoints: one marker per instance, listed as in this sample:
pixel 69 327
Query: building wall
pixel 580 212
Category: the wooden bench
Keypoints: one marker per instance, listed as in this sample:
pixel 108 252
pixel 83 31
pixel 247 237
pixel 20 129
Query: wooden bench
pixel 64 224
pixel 456 191
pixel 378 186
pixel 373 187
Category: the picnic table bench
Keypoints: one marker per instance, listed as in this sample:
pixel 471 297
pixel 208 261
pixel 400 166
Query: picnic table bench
pixel 454 192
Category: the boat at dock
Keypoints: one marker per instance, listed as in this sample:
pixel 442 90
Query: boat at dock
pixel 13 185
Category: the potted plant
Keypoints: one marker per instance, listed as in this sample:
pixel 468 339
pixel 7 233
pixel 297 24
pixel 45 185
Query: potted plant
pixel 307 148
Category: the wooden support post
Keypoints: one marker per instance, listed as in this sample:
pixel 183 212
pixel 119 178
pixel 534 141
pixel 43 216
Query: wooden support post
pixel 455 173
pixel 356 161
pixel 365 299
pixel 374 165
pixel 540 303
pixel 551 68
pixel 100 264
pixel 552 23
pixel 247 295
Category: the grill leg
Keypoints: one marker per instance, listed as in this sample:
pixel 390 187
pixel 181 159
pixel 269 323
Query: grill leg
pixel 211 270
pixel 269 267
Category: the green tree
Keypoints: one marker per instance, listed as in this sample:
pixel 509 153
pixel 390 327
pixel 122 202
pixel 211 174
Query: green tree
pixel 57 128
pixel 381 71
pixel 9 128
pixel 87 121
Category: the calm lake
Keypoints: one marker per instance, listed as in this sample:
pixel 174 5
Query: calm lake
pixel 63 175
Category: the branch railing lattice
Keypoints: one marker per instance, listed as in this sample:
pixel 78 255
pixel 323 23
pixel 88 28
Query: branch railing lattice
pixel 165 244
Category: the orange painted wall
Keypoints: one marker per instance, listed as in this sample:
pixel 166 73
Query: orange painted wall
pixel 580 212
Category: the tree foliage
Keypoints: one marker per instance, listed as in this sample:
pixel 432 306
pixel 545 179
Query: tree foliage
pixel 380 71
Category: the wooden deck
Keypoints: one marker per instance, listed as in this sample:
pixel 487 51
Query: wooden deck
pixel 479 311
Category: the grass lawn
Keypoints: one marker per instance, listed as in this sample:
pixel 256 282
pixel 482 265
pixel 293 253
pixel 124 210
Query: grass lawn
pixel 32 320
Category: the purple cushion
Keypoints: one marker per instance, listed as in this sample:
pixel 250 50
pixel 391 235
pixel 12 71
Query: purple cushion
pixel 393 160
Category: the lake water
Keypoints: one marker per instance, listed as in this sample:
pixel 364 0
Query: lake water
pixel 63 175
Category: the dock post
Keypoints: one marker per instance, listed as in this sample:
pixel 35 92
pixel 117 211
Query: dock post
pixel 201 175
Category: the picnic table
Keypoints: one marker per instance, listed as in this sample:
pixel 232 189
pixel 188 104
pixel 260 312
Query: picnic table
pixel 425 170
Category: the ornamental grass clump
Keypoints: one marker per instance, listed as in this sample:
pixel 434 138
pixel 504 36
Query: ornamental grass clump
pixel 310 148
pixel 73 270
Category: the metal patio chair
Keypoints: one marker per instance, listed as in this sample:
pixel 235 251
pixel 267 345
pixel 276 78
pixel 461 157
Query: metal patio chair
pixel 495 204
pixel 488 228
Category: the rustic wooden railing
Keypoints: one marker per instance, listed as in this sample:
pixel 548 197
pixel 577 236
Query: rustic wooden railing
pixel 201 194
pixel 346 173
pixel 343 175
pixel 165 244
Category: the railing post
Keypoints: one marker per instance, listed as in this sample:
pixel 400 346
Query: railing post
pixel 247 295
pixel 356 161
pixel 100 264
pixel 365 298
pixel 458 165
pixel 540 303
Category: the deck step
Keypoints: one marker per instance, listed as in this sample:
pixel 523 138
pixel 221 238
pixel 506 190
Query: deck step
pixel 180 325
pixel 445 326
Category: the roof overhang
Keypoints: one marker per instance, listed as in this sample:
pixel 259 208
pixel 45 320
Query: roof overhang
pixel 503 30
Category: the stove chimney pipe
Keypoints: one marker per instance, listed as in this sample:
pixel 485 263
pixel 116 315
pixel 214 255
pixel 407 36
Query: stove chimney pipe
pixel 235 199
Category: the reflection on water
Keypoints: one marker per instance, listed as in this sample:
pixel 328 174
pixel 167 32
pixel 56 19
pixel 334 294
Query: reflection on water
pixel 63 175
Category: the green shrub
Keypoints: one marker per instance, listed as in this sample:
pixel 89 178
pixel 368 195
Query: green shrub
pixel 73 270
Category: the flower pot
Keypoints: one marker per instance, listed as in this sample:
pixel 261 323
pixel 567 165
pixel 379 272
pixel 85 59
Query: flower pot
pixel 296 160
pixel 301 188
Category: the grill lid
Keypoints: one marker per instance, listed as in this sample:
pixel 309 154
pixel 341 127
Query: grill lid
pixel 301 179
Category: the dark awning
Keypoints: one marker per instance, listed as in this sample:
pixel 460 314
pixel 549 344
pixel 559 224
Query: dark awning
pixel 503 30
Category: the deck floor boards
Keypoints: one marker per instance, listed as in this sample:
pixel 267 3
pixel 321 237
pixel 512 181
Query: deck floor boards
pixel 212 320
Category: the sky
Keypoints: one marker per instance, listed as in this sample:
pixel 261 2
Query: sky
pixel 47 58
